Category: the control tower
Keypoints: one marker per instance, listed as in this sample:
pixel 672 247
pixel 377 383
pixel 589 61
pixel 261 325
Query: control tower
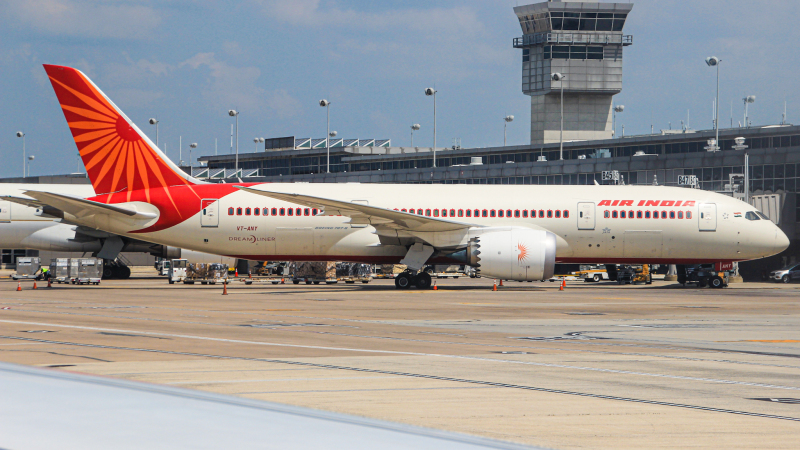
pixel 583 41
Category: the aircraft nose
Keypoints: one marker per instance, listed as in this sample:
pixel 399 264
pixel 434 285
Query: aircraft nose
pixel 781 240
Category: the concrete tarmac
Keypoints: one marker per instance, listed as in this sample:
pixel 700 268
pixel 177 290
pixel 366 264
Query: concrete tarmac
pixel 595 366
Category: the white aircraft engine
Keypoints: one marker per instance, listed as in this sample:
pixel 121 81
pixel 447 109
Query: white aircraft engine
pixel 514 253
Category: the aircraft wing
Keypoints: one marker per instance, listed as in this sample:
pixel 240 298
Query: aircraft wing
pixel 32 202
pixel 367 215
pixel 81 207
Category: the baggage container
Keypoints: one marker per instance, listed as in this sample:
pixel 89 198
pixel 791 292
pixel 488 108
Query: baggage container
pixel 90 270
pixel 59 270
pixel 27 268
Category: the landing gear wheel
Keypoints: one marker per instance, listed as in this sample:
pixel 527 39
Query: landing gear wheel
pixel 423 281
pixel 717 282
pixel 124 272
pixel 108 272
pixel 403 281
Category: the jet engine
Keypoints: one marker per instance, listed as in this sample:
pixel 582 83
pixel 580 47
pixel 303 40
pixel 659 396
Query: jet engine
pixel 514 253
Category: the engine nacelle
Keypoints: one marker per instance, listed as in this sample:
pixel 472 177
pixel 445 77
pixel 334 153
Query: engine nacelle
pixel 515 253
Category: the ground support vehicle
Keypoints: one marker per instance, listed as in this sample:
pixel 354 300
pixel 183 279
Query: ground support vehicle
pixel 177 270
pixel 352 272
pixel 703 275
pixel 59 270
pixel 444 271
pixel 89 270
pixel 206 273
pixel 634 274
pixel 28 268
pixel 315 272
pixel 595 276
pixel 787 274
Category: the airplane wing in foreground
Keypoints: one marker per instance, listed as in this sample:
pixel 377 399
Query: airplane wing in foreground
pixel 52 203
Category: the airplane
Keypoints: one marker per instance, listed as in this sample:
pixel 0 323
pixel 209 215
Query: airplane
pixel 44 228
pixel 507 232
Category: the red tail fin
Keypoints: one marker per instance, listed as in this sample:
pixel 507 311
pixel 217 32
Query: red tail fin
pixel 117 155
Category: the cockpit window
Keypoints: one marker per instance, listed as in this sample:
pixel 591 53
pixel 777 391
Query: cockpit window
pixel 762 215
pixel 751 216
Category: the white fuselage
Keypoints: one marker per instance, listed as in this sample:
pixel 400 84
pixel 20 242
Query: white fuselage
pixel 706 227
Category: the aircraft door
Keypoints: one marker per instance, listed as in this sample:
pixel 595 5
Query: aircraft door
pixel 586 218
pixel 708 217
pixel 5 211
pixel 209 212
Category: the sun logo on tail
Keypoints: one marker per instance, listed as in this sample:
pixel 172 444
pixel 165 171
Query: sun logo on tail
pixel 523 252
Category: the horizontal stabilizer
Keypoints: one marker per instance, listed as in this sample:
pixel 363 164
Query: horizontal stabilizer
pixel 366 214
pixel 81 207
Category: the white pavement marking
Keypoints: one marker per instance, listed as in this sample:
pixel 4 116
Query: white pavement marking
pixel 432 355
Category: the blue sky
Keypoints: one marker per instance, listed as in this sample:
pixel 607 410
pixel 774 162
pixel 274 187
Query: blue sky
pixel 188 62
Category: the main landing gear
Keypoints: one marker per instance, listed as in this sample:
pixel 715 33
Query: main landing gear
pixel 408 279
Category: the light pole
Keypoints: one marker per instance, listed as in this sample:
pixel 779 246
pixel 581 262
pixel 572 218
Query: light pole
pixel 191 146
pixel 747 101
pixel 20 134
pixel 414 127
pixel 619 109
pixel 560 78
pixel 507 119
pixel 155 122
pixel 713 61
pixel 257 140
pixel 432 92
pixel 30 158
pixel 327 105
pixel 234 113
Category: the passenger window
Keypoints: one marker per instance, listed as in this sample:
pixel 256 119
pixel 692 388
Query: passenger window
pixel 493 213
pixel 314 211
pixel 663 214
pixel 614 215
pixel 469 213
pixel 291 211
pixel 435 213
pixel 230 211
pixel 500 213
pixel 485 213
pixel 403 210
pixel 283 211
pixel 622 214
pixel 566 214
pixel 638 214
pixel 508 213
pixel 275 211
pixel 688 214
pixel 525 213
pixel 647 214
pixel 680 214
pixel 428 212
pixel 453 213
pixel 607 214
pixel 516 214
pixel 297 211
pixel 419 212
pixel 655 214
pixel 672 214
pixel 541 214
pixel 266 212
pixel 460 212
pixel 238 211
pixel 549 214
pixel 477 213
pixel 307 212
pixel 558 214
pixel 247 211
pixel 256 211
pixel 630 214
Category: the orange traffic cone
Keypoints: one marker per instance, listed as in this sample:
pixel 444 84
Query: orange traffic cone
pixel 501 283
pixel 494 288
pixel 224 288
pixel 19 286
pixel 236 273
pixel 34 284
pixel 563 284
pixel 49 282
pixel 434 286
pixel 283 281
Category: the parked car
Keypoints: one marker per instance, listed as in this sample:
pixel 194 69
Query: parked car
pixel 787 274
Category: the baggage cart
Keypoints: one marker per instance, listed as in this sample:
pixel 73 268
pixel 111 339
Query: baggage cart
pixel 27 268
pixel 59 270
pixel 90 270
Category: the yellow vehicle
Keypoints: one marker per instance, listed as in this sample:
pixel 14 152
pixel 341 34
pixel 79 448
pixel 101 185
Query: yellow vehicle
pixel 634 274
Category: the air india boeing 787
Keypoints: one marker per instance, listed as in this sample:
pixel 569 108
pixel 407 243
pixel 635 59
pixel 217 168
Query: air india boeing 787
pixel 510 232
